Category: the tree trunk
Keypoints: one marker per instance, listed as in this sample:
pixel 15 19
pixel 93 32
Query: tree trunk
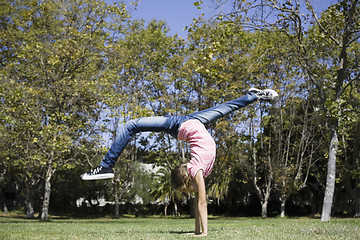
pixel 29 201
pixel 165 209
pixel 46 201
pixel 176 210
pixel 6 211
pixel 264 194
pixel 282 206
pixel 29 207
pixel 330 180
pixel 117 198
pixel 357 201
pixel 116 180
pixel 264 208
pixel 357 208
pixel 117 207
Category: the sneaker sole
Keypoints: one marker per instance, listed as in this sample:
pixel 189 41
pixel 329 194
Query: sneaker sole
pixel 97 177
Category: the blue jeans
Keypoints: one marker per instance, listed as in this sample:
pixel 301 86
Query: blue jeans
pixel 169 124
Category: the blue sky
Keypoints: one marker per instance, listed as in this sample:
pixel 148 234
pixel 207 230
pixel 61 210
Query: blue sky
pixel 176 13
pixel 180 13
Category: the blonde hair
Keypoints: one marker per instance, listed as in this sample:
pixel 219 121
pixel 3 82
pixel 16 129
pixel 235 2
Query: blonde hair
pixel 180 176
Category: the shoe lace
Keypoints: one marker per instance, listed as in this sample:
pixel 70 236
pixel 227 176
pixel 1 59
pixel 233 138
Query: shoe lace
pixel 259 92
pixel 96 170
pixel 264 93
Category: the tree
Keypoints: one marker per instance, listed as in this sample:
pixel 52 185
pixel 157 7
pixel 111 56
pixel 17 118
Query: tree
pixel 340 73
pixel 163 191
pixel 332 75
pixel 296 141
pixel 53 60
pixel 349 166
pixel 262 169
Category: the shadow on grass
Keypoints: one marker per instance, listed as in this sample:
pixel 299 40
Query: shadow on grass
pixel 154 232
pixel 181 232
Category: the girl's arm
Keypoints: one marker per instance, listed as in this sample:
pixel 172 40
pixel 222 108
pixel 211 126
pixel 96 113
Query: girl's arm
pixel 201 204
pixel 197 215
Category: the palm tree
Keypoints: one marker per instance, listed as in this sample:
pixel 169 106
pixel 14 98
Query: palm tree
pixel 163 190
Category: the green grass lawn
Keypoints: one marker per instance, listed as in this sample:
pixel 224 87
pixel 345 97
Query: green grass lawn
pixel 174 228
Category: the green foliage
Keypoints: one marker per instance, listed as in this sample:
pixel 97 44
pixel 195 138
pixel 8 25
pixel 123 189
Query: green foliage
pixel 53 55
pixel 162 190
pixel 141 185
pixel 316 60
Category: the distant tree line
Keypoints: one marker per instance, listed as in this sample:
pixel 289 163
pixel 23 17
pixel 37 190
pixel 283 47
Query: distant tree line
pixel 72 71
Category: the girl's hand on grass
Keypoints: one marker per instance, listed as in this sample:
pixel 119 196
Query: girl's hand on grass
pixel 195 234
pixel 201 235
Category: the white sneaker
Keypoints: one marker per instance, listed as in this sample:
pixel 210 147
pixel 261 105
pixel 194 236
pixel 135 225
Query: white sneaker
pixel 99 172
pixel 266 94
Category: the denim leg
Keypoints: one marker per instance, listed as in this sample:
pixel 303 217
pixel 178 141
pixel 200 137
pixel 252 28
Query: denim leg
pixel 169 125
pixel 127 131
pixel 212 114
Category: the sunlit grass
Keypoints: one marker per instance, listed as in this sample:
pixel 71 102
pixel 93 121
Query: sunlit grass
pixel 174 228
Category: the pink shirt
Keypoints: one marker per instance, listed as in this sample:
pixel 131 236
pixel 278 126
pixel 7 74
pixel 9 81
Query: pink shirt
pixel 202 146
